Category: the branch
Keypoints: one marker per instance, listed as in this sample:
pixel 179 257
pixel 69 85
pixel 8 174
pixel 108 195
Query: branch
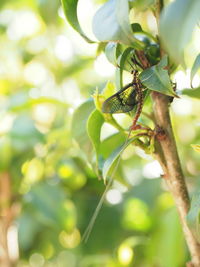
pixel 175 177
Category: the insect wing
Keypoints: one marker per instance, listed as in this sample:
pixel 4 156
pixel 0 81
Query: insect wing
pixel 121 102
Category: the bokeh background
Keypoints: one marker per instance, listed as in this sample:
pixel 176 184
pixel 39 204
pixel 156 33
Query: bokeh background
pixel 48 186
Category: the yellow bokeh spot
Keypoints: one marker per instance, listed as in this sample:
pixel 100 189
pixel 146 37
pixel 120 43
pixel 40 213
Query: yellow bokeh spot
pixel 33 170
pixel 70 240
pixel 125 254
pixel 165 201
pixel 136 215
pixel 69 221
pixel 48 251
pixel 65 171
pixel 78 181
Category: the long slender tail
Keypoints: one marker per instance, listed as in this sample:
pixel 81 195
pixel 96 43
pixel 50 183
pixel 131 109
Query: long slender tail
pixel 97 210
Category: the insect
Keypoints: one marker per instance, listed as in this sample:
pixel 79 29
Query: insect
pixel 126 99
pixel 123 101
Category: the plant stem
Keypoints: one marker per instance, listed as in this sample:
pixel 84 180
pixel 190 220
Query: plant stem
pixel 174 173
pixel 175 177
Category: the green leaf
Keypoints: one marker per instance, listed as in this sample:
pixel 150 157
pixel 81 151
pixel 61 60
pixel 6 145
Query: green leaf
pixel 70 11
pixel 109 89
pixel 79 125
pixel 157 78
pixel 193 217
pixel 124 64
pixel 111 22
pixel 192 92
pixel 136 27
pixel 114 156
pixel 195 68
pixel 100 48
pixel 94 124
pixel 110 143
pixel 111 52
pixel 176 26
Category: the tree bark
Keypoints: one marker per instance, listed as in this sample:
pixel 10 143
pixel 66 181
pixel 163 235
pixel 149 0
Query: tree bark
pixel 171 162
pixel 174 174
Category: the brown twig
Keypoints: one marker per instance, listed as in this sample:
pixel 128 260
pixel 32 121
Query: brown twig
pixel 176 181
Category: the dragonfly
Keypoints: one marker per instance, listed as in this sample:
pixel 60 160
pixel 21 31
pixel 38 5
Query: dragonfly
pixel 125 99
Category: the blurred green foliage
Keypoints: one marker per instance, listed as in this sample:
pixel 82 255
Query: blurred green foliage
pixel 46 72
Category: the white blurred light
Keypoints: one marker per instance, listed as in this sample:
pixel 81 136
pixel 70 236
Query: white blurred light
pixel 196 81
pixel 114 196
pixel 61 13
pixel 182 79
pixel 36 260
pixel 107 130
pixel 151 21
pixel 63 48
pixel 23 24
pixel 34 92
pixel 152 170
pixel 103 67
pixel 140 152
pixel 35 73
pixel 37 44
pixel 70 93
pixel 6 16
pixel 125 254
pixel 12 238
pixel 49 89
pixel 182 106
pixel 133 176
pixel 86 10
pixel 186 133
pixel 40 150
pixel 6 123
pixel 44 113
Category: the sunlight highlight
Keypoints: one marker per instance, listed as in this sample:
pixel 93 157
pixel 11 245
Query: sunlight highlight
pixel 182 106
pixel 23 24
pixel 114 196
pixel 36 259
pixel 103 67
pixel 125 254
pixel 6 123
pixel 35 73
pixel 152 170
pixel 12 238
pixel 70 240
pixel 63 48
